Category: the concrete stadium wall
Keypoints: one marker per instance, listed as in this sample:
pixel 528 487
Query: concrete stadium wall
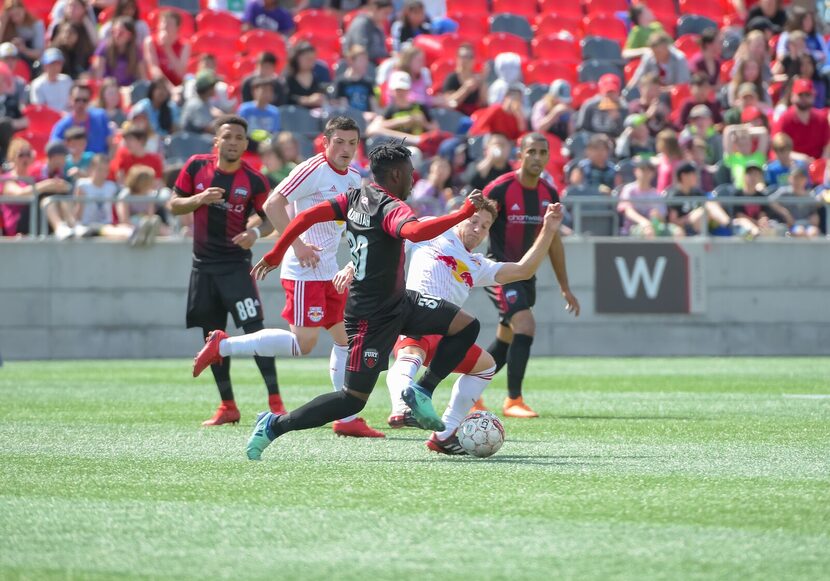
pixel 97 299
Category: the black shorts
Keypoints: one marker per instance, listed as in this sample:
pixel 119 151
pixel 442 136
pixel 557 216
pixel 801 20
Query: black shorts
pixel 371 340
pixel 212 296
pixel 513 297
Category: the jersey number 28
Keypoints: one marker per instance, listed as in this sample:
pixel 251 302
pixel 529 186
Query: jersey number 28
pixel 359 246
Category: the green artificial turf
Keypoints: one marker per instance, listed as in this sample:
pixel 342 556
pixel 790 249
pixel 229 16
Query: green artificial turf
pixel 638 468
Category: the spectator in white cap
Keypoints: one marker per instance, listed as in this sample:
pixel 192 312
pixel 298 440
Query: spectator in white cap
pixel 52 87
pixel 9 55
pixel 508 67
pixel 402 118
pixel 553 112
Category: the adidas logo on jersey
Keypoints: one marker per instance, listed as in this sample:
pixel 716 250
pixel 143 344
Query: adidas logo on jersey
pixel 515 207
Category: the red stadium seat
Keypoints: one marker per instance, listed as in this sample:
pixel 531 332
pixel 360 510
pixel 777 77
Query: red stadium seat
pixel 609 7
pixel 548 71
pixel 243 67
pixel 106 14
pixel 40 9
pixel 257 41
pixel 187 28
pixel 816 170
pixel 468 6
pixel 630 68
pixel 213 42
pixel 679 93
pixel 726 70
pixel 322 41
pixel 22 70
pixel 433 45
pixel 499 42
pixel 41 118
pixel 324 21
pixel 663 6
pixel 224 23
pixel 605 26
pixel 688 44
pixel 552 23
pixel 526 8
pixel 668 20
pixel 709 8
pixel 581 92
pixel 570 9
pixel 471 24
pixel 439 71
pixel 38 141
pixel 553 47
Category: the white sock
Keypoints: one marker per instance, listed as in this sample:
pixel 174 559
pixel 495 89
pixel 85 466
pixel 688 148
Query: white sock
pixel 465 392
pixel 337 371
pixel 400 375
pixel 266 343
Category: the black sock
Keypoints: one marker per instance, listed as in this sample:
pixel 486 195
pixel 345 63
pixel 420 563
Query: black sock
pixel 449 353
pixel 267 366
pixel 318 412
pixel 517 358
pixel 498 349
pixel 222 376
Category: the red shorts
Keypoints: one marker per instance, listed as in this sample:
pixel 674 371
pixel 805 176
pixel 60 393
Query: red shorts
pixel 428 344
pixel 313 303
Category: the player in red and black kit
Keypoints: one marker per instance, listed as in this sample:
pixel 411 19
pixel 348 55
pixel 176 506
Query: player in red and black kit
pixel 379 307
pixel 523 198
pixel 224 193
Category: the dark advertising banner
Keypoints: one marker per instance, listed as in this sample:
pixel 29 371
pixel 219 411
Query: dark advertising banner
pixel 644 277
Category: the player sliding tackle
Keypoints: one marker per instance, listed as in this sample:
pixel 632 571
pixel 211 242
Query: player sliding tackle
pixel 379 308
pixel 311 301
pixel 447 268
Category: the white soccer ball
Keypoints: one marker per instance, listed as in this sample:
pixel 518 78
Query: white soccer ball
pixel 481 434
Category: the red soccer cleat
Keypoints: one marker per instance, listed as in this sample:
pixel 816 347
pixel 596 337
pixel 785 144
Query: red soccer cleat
pixel 227 413
pixel 276 405
pixel 404 420
pixel 357 428
pixel 209 353
pixel 450 446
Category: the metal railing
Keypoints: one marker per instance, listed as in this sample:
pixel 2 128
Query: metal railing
pixel 580 206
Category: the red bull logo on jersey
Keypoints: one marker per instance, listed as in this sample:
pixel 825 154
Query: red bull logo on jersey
pixel 460 271
pixel 370 357
pixel 315 314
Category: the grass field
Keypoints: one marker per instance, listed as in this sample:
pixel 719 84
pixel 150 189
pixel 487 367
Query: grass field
pixel 639 468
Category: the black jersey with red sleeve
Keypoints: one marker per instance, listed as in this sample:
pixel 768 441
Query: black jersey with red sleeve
pixel 521 214
pixel 215 225
pixel 374 219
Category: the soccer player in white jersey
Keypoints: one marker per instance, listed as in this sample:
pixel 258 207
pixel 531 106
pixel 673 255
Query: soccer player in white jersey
pixel 446 267
pixel 308 271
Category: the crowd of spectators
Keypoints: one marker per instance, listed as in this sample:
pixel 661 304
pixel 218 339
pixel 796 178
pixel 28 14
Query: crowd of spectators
pixel 645 104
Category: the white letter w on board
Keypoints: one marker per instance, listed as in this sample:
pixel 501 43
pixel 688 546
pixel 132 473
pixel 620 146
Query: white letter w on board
pixel 640 274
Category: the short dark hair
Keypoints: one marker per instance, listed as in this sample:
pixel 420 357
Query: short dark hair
pixel 80 86
pixel 230 120
pixel 384 158
pixel 267 58
pixel 683 169
pixel 259 82
pixel 340 123
pixel 74 133
pixel 137 133
pixel 530 138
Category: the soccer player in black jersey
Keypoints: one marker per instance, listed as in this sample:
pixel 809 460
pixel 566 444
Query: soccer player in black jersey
pixel 223 193
pixel 523 198
pixel 379 307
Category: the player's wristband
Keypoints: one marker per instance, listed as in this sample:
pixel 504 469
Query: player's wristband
pixel 257 231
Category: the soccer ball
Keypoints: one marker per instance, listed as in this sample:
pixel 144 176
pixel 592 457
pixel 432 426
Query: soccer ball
pixel 481 434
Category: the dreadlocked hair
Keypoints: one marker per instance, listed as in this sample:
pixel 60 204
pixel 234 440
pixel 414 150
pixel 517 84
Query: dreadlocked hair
pixel 384 158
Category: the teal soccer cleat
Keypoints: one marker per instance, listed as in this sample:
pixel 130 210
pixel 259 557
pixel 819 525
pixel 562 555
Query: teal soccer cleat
pixel 419 401
pixel 262 436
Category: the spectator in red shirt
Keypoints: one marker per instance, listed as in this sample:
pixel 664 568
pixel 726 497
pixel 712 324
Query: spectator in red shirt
pixel 507 118
pixel 133 152
pixel 806 126
pixel 164 52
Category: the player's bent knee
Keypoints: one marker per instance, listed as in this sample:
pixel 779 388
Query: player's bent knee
pixel 461 321
pixel 358 395
pixel 485 361
pixel 412 350
pixel 523 323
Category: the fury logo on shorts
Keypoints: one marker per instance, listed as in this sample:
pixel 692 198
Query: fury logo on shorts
pixel 315 314
pixel 370 357
pixel 511 296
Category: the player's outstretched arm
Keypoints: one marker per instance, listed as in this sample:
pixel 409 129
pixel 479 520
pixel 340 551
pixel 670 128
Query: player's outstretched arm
pixel 419 231
pixel 530 262
pixel 322 212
